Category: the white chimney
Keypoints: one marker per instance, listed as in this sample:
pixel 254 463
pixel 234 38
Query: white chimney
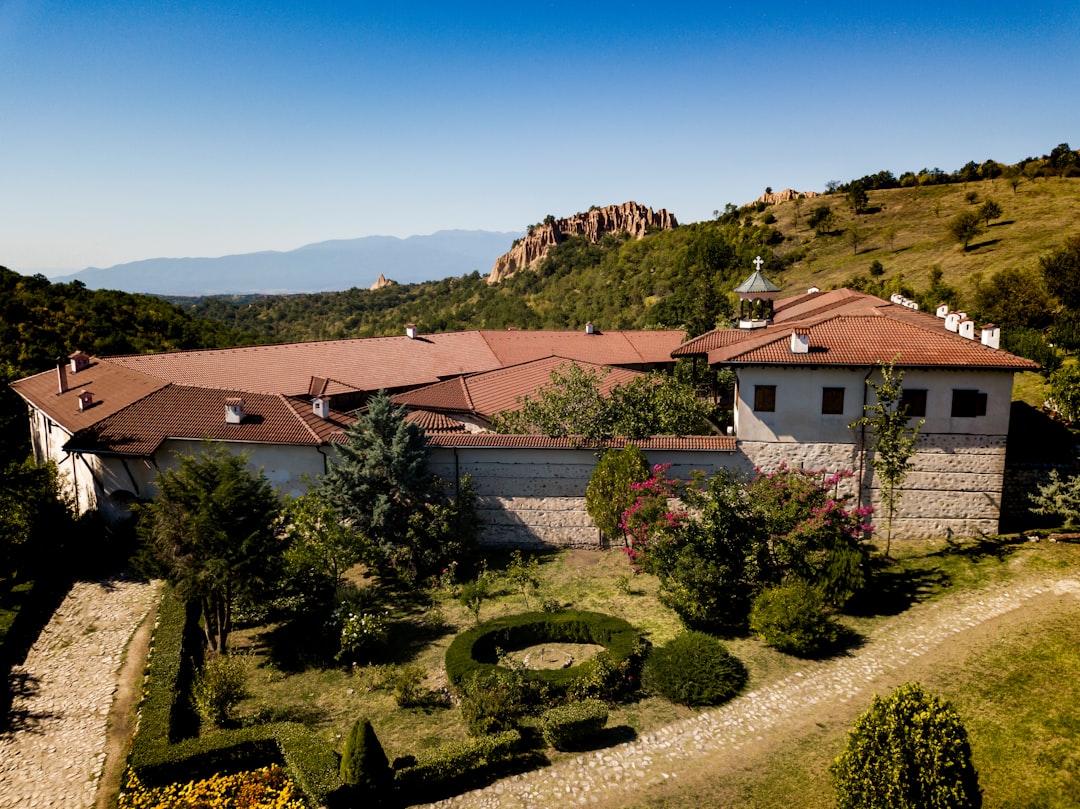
pixel 590 328
pixel 234 410
pixel 991 335
pixel 800 342
pixel 952 321
pixel 967 328
pixel 61 376
pixel 79 362
pixel 320 407
pixel 812 290
pixel 942 310
pixel 86 400
pixel 410 331
pixel 896 298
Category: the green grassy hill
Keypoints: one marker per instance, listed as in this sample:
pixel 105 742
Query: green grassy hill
pixel 906 229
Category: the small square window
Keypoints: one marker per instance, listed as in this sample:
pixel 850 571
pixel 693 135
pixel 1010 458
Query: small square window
pixel 765 398
pixel 913 402
pixel 968 403
pixel 832 401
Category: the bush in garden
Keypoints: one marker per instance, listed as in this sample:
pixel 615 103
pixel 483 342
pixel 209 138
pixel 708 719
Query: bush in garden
pixel 494 701
pixel 794 618
pixel 431 775
pixel 567 726
pixel 650 520
pixel 908 751
pixel 364 766
pixel 693 669
pixel 408 686
pixel 361 633
pixel 268 786
pixel 218 688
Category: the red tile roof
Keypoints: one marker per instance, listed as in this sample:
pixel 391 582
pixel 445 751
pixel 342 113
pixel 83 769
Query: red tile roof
pixel 626 348
pixel 113 387
pixel 491 392
pixel 432 423
pixel 180 411
pixel 702 443
pixel 855 329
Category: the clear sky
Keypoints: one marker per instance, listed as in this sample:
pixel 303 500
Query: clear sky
pixel 133 130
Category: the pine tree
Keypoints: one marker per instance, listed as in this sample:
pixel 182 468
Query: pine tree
pixel 379 479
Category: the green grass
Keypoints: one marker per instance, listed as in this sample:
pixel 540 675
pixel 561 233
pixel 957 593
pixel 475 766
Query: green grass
pixel 1036 219
pixel 1015 692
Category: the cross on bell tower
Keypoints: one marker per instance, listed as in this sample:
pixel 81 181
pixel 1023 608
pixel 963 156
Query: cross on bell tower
pixel 756 296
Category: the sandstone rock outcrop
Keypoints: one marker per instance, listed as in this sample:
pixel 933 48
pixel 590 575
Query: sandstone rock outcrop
pixel 382 281
pixel 630 217
pixel 784 196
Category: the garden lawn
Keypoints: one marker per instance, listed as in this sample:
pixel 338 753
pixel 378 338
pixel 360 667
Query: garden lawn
pixel 1012 689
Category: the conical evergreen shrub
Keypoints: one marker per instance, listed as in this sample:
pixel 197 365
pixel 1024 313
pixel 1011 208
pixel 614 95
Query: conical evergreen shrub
pixel 364 766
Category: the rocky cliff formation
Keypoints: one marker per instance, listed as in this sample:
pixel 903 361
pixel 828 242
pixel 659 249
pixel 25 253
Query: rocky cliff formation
pixel 629 217
pixel 383 281
pixel 784 196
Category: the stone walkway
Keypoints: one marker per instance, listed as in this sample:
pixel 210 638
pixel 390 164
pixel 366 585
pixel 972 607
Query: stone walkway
pixel 54 751
pixel 624 770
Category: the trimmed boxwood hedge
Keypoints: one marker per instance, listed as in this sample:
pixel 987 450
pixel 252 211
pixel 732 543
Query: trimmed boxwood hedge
pixel 160 753
pixel 476 650
pixel 566 726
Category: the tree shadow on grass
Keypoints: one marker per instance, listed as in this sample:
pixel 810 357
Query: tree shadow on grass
pixel 892 592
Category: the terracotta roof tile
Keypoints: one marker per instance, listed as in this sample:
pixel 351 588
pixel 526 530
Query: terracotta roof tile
pixel 180 411
pixel 113 388
pixel 491 392
pixel 432 423
pixel 704 443
pixel 626 348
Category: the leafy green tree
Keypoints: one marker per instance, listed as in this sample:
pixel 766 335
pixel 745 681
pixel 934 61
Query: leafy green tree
pixel 857 198
pixel 855 236
pixel 658 404
pixel 609 494
pixel 33 516
pixel 1061 272
pixel 572 405
pixel 821 219
pixel 211 527
pixel 892 439
pixel 320 547
pixel 1065 392
pixel 908 751
pixel 1013 298
pixel 966 226
pixel 524 575
pixel 989 210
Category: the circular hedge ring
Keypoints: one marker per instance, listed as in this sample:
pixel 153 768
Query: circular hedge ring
pixel 476 650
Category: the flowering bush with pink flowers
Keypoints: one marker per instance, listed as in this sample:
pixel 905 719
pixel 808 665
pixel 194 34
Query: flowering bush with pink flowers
pixel 652 518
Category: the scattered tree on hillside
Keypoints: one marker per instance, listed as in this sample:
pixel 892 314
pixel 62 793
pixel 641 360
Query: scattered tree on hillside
pixel 857 198
pixel 1062 159
pixel 908 751
pixel 855 236
pixel 211 528
pixel 989 210
pixel 892 439
pixel 965 226
pixel 821 219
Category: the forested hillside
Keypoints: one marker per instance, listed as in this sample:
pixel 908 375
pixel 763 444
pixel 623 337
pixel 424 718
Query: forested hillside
pixel 976 237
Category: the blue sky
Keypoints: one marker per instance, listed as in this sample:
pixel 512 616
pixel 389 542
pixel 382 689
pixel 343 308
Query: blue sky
pixel 135 130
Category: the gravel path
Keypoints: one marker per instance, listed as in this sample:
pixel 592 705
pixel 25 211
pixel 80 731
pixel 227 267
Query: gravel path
pixel 655 757
pixel 53 753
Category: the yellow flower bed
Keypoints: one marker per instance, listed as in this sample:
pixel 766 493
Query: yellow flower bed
pixel 266 788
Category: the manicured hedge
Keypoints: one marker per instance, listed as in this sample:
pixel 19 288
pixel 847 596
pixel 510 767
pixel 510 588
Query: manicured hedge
pixel 567 726
pixel 449 767
pixel 160 753
pixel 477 649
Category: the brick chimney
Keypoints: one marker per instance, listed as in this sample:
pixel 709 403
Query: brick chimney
pixel 61 375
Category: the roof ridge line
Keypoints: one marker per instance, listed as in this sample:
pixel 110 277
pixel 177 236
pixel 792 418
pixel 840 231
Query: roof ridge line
pixel 296 413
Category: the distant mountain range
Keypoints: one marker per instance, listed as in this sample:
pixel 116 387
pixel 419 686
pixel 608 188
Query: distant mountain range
pixel 321 267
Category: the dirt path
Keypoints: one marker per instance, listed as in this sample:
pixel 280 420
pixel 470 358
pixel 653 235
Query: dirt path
pixel 724 742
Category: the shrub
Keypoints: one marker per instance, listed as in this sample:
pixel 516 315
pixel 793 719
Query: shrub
pixel 908 751
pixel 361 633
pixel 609 494
pixel 793 618
pixel 493 701
pixel 408 686
pixel 477 649
pixel 364 766
pixel 693 669
pixel 566 726
pixel 218 688
pixel 436 771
